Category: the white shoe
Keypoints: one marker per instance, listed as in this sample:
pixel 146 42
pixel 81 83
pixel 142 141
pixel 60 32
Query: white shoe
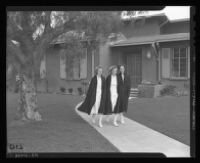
pixel 115 124
pixel 100 125
pixel 122 121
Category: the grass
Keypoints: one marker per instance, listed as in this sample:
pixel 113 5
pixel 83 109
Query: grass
pixel 61 130
pixel 168 115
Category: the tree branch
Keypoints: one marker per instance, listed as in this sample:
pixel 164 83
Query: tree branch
pixel 47 22
pixel 16 52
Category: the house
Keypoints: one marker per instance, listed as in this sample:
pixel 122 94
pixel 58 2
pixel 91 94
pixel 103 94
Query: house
pixel 153 49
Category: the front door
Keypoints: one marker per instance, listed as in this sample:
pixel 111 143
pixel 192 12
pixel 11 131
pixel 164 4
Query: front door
pixel 134 68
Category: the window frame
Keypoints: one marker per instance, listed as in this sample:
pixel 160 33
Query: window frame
pixel 79 67
pixel 187 65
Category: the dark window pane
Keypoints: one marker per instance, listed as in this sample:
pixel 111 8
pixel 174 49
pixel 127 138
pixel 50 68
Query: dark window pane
pixel 183 74
pixel 175 66
pixel 176 52
pixel 183 67
pixel 183 52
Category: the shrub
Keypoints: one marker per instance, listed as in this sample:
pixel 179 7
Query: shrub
pixel 70 90
pixel 168 90
pixel 62 89
pixel 80 90
pixel 84 83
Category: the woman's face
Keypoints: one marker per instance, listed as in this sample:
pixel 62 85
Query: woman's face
pixel 99 71
pixel 114 71
pixel 122 69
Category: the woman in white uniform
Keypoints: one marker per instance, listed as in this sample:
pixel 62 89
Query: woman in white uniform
pixel 94 102
pixel 112 102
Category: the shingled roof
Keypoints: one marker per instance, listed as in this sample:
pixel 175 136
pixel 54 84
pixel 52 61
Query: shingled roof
pixel 150 39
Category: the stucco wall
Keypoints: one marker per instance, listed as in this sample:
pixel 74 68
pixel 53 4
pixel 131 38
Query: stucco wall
pixel 149 72
pixel 105 57
pixel 53 68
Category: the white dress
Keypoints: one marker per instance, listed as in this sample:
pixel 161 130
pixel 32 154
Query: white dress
pixel 113 91
pixel 95 107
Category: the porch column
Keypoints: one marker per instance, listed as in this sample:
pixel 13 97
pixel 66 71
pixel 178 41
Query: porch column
pixel 159 65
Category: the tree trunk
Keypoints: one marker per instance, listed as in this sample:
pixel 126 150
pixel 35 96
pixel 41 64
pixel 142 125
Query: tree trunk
pixel 28 100
pixel 21 112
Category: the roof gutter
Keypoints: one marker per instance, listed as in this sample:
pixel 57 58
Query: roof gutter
pixel 150 42
pixel 130 44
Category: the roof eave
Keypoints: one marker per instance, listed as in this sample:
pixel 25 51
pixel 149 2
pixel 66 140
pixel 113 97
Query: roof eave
pixel 150 42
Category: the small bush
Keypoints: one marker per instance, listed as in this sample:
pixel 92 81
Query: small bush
pixel 168 90
pixel 70 90
pixel 62 89
pixel 80 90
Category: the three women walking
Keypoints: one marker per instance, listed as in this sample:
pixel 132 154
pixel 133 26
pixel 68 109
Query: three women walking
pixel 107 97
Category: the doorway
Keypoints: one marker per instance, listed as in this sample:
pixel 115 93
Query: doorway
pixel 134 68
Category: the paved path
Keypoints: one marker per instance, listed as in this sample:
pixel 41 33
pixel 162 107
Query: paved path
pixel 134 137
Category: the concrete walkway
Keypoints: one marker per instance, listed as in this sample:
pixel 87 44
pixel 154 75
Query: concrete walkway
pixel 135 137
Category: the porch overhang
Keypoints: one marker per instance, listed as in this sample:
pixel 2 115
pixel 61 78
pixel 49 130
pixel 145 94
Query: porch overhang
pixel 151 39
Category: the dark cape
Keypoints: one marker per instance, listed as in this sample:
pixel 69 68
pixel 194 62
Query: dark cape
pixel 90 99
pixel 124 91
pixel 108 107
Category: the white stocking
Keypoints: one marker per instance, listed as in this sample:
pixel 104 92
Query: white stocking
pixel 100 121
pixel 122 118
pixel 115 120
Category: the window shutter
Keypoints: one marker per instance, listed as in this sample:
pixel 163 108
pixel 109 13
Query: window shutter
pixel 76 68
pixel 69 70
pixel 188 62
pixel 43 68
pixel 83 66
pixel 62 65
pixel 165 62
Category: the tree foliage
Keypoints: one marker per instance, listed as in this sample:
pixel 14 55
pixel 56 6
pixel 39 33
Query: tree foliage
pixel 33 32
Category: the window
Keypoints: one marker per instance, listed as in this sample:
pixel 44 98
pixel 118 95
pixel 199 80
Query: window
pixel 175 63
pixel 179 62
pixel 73 68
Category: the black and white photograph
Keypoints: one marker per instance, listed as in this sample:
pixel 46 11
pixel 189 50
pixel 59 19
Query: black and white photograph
pixel 95 81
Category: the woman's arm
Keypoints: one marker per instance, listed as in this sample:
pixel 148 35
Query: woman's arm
pixel 128 85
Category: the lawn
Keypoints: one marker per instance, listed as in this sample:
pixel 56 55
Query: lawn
pixel 168 115
pixel 61 130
